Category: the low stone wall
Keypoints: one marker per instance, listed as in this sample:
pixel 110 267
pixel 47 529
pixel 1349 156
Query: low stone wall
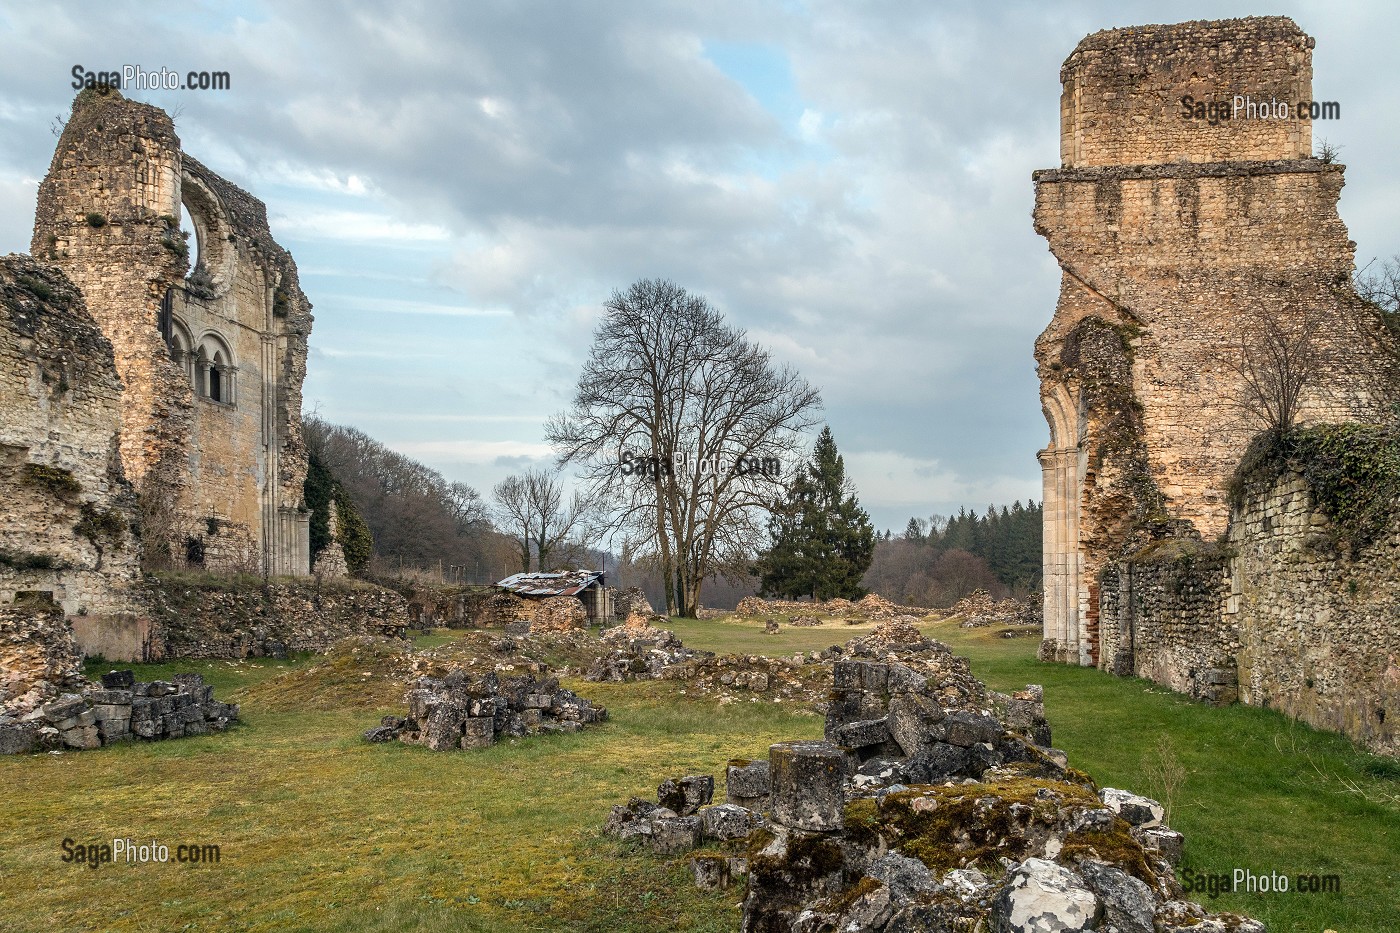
pixel 464 710
pixel 1286 613
pixel 440 605
pixel 213 617
pixel 1317 630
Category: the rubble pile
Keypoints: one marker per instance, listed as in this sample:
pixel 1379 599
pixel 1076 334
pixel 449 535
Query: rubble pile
pixel 558 614
pixel 802 679
pixel 631 601
pixel 464 710
pixel 374 673
pixel 933 804
pixel 118 710
pixel 871 606
pixel 639 651
pixel 979 609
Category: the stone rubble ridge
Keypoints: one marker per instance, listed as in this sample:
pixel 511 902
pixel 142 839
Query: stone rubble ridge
pixel 913 816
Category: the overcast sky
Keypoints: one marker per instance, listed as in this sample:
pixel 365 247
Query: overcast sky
pixel 463 184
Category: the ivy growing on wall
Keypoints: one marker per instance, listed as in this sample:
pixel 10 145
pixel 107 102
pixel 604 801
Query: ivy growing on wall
pixel 1352 470
pixel 352 532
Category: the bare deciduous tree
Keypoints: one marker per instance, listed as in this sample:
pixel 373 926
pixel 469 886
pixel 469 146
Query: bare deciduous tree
pixel 672 408
pixel 1380 285
pixel 533 510
pixel 1276 364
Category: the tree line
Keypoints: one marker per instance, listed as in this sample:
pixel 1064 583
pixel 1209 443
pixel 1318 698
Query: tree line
pixel 939 560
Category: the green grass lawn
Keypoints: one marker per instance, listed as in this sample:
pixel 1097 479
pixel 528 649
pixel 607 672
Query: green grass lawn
pixel 319 830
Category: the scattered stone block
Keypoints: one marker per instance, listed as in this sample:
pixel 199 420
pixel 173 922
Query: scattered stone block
pixel 968 729
pixel 746 783
pixel 18 738
pixel 1043 896
pixel 727 821
pixel 688 794
pixel 674 835
pixel 1136 809
pixel 119 680
pixel 806 784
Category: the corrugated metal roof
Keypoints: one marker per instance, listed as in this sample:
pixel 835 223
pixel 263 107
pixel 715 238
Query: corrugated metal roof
pixel 569 583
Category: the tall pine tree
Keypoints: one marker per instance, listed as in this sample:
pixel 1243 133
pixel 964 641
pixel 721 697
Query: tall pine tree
pixel 823 541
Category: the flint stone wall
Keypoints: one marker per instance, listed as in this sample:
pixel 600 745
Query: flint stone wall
pixel 1161 617
pixel 209 617
pixel 1317 626
pixel 1282 616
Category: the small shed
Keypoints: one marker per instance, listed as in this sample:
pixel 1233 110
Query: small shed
pixel 587 585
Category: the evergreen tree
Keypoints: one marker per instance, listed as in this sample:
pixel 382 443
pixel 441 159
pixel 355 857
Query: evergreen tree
pixel 823 541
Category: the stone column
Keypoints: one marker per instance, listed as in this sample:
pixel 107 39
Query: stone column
pixel 1061 568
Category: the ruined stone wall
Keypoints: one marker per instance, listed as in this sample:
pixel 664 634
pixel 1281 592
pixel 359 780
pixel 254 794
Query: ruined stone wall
pixel 212 386
pixel 1160 618
pixel 1185 241
pixel 65 526
pixel 108 215
pixel 1121 103
pixel 204 616
pixel 1317 630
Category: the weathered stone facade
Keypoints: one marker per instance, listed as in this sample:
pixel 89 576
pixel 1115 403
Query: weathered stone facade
pixel 66 526
pixel 1178 239
pixel 1315 624
pixel 211 363
pixel 1281 615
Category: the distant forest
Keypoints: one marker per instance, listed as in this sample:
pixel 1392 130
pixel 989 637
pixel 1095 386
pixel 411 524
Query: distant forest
pixel 938 561
pixel 423 524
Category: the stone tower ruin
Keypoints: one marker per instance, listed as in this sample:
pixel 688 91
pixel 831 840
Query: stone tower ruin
pixel 1181 238
pixel 211 357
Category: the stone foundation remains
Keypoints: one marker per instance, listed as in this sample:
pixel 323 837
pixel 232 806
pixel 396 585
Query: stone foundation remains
pixel 120 710
pixel 464 710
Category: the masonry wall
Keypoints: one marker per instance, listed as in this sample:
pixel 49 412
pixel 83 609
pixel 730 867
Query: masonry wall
pixel 1161 618
pixel 1122 92
pixel 66 522
pixel 200 616
pixel 1188 242
pixel 211 362
pixel 1317 625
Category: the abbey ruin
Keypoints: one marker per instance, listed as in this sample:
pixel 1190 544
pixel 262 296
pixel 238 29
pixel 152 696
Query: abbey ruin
pixel 1191 248
pixel 150 402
